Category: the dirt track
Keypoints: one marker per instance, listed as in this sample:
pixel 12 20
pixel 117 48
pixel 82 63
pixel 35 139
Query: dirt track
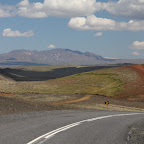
pixel 73 101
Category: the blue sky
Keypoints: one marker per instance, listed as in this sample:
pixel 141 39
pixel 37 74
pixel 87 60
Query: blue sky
pixel 108 28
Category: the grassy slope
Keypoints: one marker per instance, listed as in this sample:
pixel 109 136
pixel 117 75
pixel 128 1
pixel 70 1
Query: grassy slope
pixel 108 82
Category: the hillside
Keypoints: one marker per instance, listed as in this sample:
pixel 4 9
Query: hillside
pixel 43 73
pixel 82 88
pixel 110 81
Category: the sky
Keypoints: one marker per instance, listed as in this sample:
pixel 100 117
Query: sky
pixel 110 28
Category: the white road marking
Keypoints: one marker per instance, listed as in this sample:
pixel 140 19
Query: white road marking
pixel 48 135
pixel 63 129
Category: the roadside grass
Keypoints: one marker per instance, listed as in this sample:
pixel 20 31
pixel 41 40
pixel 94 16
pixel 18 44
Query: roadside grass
pixel 111 107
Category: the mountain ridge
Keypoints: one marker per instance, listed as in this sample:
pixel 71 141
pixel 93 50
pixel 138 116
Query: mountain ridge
pixel 59 56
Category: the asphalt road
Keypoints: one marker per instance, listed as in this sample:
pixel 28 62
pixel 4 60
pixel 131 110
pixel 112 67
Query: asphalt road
pixel 68 127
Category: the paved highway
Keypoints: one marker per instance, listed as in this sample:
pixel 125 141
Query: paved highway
pixel 67 127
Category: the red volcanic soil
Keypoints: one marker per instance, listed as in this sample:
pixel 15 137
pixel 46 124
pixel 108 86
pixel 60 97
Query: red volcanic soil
pixel 134 90
pixel 8 94
pixel 139 69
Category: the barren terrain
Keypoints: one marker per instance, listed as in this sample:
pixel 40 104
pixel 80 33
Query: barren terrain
pixel 75 88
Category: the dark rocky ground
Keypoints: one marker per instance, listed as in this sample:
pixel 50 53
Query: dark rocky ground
pixel 13 105
pixel 136 133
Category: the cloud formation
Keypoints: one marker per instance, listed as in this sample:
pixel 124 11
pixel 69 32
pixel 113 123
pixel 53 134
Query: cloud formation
pixel 51 46
pixel 58 8
pixel 133 9
pixel 6 11
pixel 136 53
pixel 93 23
pixel 137 45
pixel 82 13
pixel 10 33
pixel 98 34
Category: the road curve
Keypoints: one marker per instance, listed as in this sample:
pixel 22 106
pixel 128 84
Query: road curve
pixel 67 127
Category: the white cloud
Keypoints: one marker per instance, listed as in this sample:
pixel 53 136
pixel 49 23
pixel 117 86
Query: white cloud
pixel 72 8
pixel 10 33
pixel 58 8
pixel 6 11
pixel 126 8
pixel 137 45
pixel 110 58
pixel 24 3
pixel 132 9
pixel 98 34
pixel 51 46
pixel 136 53
pixel 93 23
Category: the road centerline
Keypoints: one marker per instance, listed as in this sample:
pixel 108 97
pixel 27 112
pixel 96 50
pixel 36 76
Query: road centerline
pixel 43 138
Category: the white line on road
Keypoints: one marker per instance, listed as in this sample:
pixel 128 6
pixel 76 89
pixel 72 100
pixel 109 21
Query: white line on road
pixel 48 135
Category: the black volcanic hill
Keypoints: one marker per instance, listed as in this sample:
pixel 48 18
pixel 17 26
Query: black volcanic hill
pixel 58 57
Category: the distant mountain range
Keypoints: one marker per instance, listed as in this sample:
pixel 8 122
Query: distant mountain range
pixel 59 57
